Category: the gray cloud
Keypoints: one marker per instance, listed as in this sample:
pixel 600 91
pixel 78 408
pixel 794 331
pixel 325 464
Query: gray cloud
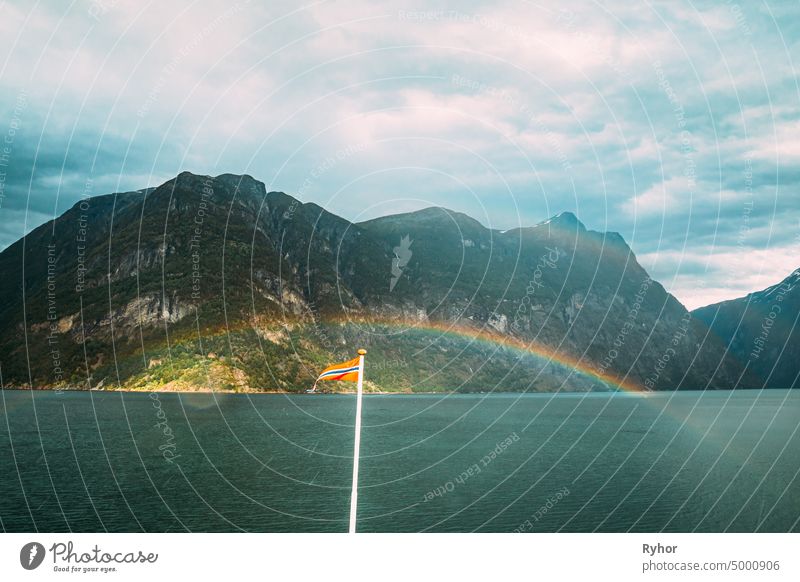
pixel 674 124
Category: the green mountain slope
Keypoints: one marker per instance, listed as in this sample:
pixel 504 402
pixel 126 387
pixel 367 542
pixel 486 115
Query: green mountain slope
pixel 762 330
pixel 214 283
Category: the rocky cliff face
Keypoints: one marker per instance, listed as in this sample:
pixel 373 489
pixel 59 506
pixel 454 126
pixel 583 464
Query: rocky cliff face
pixel 275 288
pixel 761 331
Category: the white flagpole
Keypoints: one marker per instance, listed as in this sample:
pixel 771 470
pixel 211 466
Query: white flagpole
pixel 357 446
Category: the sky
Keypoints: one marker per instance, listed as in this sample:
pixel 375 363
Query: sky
pixel 676 124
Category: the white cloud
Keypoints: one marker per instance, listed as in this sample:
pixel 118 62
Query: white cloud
pixel 567 111
pixel 663 198
pixel 701 276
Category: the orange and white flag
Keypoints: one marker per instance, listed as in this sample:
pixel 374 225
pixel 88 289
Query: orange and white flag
pixel 347 371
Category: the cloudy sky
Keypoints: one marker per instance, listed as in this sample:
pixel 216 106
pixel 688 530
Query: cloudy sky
pixel 675 124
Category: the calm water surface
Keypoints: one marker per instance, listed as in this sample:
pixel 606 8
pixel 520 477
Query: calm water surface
pixel 686 461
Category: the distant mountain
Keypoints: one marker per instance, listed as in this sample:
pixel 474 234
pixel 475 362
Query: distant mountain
pixel 762 330
pixel 213 282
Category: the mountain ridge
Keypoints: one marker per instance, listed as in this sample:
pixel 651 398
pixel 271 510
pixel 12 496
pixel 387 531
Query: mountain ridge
pixel 762 330
pixel 213 282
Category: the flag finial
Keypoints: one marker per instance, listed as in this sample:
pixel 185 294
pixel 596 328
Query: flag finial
pixel 362 352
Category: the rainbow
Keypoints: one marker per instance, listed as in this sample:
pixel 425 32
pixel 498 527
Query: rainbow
pixel 491 338
pixel 488 338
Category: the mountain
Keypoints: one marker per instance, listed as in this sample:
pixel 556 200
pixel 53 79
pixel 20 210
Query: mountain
pixel 761 330
pixel 213 282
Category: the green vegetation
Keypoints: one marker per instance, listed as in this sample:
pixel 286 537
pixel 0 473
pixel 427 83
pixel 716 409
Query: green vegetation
pixel 136 290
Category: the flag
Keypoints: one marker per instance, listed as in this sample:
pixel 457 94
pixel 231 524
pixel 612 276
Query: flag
pixel 350 371
pixel 347 371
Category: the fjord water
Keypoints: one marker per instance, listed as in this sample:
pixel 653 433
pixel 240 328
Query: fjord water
pixel 686 461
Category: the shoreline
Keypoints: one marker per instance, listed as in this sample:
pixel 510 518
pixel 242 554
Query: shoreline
pixel 376 393
pixel 233 392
